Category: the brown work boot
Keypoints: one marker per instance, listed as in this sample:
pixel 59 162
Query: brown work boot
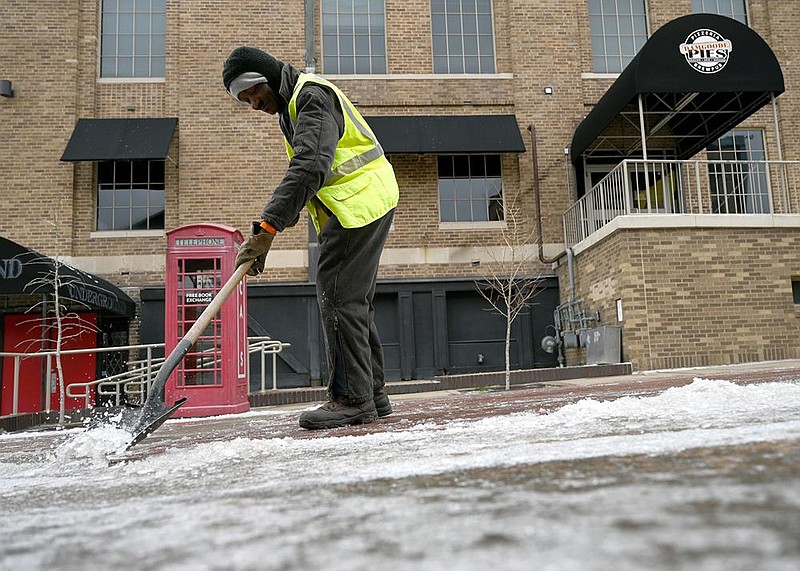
pixel 339 412
pixel 382 405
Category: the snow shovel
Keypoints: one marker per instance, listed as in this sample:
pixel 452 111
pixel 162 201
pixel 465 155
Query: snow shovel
pixel 141 421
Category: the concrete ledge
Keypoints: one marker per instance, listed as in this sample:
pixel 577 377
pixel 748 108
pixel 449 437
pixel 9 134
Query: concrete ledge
pixel 527 376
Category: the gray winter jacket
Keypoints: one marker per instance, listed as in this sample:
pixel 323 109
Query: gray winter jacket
pixel 320 125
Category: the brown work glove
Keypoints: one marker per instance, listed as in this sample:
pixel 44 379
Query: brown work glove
pixel 255 248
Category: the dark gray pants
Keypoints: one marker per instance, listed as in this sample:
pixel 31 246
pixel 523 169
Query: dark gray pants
pixel 347 270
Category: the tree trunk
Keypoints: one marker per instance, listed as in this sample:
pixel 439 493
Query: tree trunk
pixel 508 351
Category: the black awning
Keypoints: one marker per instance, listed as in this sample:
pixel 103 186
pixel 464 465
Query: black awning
pixel 26 272
pixel 448 134
pixel 690 97
pixel 120 139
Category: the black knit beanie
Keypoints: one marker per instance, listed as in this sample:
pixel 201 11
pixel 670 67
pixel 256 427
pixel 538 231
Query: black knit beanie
pixel 244 59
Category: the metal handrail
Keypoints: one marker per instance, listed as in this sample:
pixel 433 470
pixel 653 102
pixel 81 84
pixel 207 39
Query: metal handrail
pixel 48 355
pixel 266 346
pixel 137 380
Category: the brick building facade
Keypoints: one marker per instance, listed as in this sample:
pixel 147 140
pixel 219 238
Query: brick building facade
pixel 690 295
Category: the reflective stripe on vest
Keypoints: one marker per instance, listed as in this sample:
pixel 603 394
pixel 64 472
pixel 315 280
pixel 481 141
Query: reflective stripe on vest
pixel 354 163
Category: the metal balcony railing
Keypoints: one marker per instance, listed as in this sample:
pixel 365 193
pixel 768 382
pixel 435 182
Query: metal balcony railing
pixel 685 187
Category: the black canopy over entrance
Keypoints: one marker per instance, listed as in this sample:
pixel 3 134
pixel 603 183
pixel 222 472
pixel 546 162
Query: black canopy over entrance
pixel 27 272
pixel 696 78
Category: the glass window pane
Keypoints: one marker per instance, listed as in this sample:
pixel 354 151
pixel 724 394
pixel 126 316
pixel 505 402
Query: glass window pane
pixel 138 218
pixel 485 24
pixel 445 166
pixel 141 67
pixel 158 24
pixel 472 65
pixel 439 45
pixel 362 45
pixel 471 45
pixel 379 64
pixel 461 166
pixel 125 24
pixel 462 188
pixel 141 45
pixel 346 46
pixel 362 64
pixel 484 6
pixel 105 219
pixel 141 23
pixel 487 64
pixel 346 65
pixel 105 198
pixel 362 24
pixel 378 46
pixel 158 67
pixel 447 211
pixel 330 64
pixel 453 24
pixel 493 165
pixel 463 210
pixel 438 24
pixel 454 43
pixel 125 45
pixel 478 189
pixel 447 189
pixel 109 23
pixel 105 172
pixel 158 45
pixel 485 45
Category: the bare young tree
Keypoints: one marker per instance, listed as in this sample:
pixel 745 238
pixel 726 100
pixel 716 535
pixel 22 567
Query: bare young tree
pixel 510 286
pixel 57 321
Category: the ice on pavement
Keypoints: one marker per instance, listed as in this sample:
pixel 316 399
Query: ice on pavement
pixel 410 498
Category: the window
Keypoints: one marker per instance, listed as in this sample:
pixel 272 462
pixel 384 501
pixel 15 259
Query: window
pixel 796 290
pixel 470 188
pixel 619 30
pixel 731 8
pixel 130 195
pixel 738 187
pixel 463 36
pixel 133 38
pixel 353 36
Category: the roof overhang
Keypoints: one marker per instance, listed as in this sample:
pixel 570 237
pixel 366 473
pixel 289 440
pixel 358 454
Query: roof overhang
pixel 26 272
pixel 448 134
pixel 689 98
pixel 120 139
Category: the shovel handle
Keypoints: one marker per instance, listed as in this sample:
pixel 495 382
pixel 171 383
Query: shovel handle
pixel 191 337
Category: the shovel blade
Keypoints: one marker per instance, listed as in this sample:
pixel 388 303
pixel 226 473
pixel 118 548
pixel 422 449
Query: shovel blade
pixel 148 419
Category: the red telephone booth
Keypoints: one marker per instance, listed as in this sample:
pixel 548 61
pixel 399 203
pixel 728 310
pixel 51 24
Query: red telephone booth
pixel 214 374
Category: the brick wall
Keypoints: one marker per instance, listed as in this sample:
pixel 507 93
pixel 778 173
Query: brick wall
pixel 694 296
pixel 227 158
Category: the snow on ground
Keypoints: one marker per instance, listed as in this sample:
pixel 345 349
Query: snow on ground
pixel 705 476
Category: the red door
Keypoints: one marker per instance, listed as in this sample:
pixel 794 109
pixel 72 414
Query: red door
pixel 23 334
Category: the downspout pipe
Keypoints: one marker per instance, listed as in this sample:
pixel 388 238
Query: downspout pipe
pixel 311 37
pixel 536 193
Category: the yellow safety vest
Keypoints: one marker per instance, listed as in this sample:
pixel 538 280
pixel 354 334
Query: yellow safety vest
pixel 360 186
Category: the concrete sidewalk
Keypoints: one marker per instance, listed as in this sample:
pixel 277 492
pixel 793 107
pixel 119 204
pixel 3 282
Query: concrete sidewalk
pixel 443 406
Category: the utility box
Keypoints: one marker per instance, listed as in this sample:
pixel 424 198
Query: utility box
pixel 214 374
pixel 603 345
